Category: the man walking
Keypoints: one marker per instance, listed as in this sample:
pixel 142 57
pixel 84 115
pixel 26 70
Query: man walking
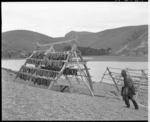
pixel 128 90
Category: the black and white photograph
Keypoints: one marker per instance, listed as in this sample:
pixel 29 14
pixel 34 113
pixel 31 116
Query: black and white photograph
pixel 74 61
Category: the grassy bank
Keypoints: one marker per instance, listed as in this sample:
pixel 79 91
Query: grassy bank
pixel 22 101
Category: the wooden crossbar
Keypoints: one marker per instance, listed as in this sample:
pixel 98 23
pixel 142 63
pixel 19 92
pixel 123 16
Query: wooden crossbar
pixel 56 43
pixel 42 69
pixel 37 76
pixel 40 60
pixel 136 69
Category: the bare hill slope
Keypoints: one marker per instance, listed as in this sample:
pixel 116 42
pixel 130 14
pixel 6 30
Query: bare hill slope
pixel 124 40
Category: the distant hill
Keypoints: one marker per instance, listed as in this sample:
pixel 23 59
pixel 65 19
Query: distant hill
pixel 23 39
pixel 18 42
pixel 131 40
pixel 119 39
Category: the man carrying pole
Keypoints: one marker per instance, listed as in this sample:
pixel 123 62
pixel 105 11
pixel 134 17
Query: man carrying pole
pixel 128 90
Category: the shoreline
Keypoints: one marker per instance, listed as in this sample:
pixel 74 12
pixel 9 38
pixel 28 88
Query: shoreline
pixel 104 58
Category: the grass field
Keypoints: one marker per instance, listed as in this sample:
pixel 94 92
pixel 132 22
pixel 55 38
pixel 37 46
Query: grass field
pixel 23 101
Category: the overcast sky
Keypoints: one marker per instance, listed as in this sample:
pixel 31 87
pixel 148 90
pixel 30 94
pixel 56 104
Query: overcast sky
pixel 55 19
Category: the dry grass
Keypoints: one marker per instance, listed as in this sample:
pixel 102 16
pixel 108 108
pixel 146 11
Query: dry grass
pixel 21 101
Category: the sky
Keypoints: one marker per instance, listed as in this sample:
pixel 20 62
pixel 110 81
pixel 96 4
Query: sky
pixel 55 19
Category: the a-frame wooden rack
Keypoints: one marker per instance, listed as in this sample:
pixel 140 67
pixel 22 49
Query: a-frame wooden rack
pixel 46 62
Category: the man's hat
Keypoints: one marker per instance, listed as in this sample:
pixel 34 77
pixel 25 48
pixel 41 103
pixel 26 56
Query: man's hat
pixel 123 72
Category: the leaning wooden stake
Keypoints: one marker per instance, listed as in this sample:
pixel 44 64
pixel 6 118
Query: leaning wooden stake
pixel 77 79
pixel 103 76
pixel 51 49
pixel 113 79
pixel 82 76
pixel 87 72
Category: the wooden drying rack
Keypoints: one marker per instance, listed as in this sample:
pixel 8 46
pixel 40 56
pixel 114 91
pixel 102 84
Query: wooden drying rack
pixel 73 53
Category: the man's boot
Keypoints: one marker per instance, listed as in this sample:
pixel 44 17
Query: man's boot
pixel 135 104
pixel 127 102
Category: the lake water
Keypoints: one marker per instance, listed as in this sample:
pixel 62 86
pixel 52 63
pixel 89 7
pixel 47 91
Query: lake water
pixel 97 68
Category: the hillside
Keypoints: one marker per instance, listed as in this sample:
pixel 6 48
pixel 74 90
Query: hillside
pixel 22 41
pixel 119 39
pixel 131 40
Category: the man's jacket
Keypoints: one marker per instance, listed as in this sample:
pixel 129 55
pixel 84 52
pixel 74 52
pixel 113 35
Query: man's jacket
pixel 128 90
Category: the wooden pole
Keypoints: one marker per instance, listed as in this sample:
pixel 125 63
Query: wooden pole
pixel 113 79
pixel 77 79
pixel 87 72
pixel 82 76
pixel 103 76
pixel 55 43
pixel 68 80
pixel 50 50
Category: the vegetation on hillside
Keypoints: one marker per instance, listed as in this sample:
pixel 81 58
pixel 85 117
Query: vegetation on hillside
pixel 88 51
pixel 15 54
